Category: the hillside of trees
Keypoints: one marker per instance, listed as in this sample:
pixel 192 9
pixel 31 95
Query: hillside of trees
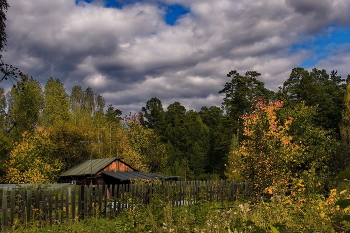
pixel 269 138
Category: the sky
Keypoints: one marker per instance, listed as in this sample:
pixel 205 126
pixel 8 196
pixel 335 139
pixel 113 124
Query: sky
pixel 176 50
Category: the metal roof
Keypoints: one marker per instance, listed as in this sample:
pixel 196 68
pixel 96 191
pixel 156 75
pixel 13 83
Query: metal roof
pixel 136 175
pixel 89 167
pixel 33 186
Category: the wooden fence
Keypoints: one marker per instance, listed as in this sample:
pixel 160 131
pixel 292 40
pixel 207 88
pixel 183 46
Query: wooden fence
pixel 78 202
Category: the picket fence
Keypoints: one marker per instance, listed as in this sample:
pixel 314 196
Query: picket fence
pixel 73 203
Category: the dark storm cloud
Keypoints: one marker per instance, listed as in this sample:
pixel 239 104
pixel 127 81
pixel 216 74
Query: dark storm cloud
pixel 129 54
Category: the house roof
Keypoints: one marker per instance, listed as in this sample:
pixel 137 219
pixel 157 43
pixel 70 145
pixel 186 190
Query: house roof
pixel 136 175
pixel 91 167
pixel 34 186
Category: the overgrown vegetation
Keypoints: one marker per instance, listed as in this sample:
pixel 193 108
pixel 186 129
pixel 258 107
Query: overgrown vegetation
pixel 278 213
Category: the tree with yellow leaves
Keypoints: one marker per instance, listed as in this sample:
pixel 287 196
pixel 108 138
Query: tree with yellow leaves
pixel 280 145
pixel 32 160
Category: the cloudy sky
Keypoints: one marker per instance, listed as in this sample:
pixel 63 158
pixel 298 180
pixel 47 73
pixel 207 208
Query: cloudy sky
pixel 176 50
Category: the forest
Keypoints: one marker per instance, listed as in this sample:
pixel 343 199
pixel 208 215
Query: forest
pixel 271 139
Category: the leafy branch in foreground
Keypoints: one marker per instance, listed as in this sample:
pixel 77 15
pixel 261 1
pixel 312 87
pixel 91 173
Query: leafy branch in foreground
pixel 12 73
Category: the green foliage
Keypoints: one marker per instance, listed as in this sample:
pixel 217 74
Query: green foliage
pixel 219 138
pixel 147 144
pixel 317 88
pixel 281 145
pixel 280 214
pixel 56 103
pixel 25 106
pixel 344 161
pixel 240 92
pixel 153 115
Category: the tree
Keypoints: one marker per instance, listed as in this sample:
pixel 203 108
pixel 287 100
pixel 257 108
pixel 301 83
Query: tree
pixel 113 115
pixel 344 161
pixel 5 127
pixel 69 139
pixel 187 142
pixel 147 144
pixel 56 103
pixel 219 137
pixel 99 103
pixel 317 88
pixel 240 92
pixel 25 106
pixel 89 101
pixel 76 101
pixel 197 146
pixel 33 160
pixel 153 115
pixel 281 145
pixel 174 133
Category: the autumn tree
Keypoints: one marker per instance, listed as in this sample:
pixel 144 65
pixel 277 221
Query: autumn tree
pixel 281 145
pixel 33 160
pixel 68 139
pixel 144 141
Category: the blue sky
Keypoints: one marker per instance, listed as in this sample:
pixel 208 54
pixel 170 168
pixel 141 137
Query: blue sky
pixel 176 50
pixel 172 11
pixel 324 44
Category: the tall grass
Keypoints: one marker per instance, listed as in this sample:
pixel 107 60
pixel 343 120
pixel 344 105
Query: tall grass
pixel 293 213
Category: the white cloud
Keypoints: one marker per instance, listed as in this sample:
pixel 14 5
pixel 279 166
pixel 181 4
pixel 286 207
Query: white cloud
pixel 130 55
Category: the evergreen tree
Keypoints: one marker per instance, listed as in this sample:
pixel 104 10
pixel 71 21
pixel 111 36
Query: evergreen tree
pixel 197 146
pixel 113 115
pixel 220 132
pixel 240 92
pixel 153 115
pixel 317 88
pixel 174 132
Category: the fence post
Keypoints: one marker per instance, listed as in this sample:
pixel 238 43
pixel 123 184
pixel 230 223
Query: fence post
pixel 4 210
pixel 29 204
pixel 72 192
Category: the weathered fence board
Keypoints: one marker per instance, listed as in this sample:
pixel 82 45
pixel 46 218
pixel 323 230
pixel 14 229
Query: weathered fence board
pixel 79 202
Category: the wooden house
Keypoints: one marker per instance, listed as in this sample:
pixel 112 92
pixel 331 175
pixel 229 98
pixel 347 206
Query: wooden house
pixel 106 171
